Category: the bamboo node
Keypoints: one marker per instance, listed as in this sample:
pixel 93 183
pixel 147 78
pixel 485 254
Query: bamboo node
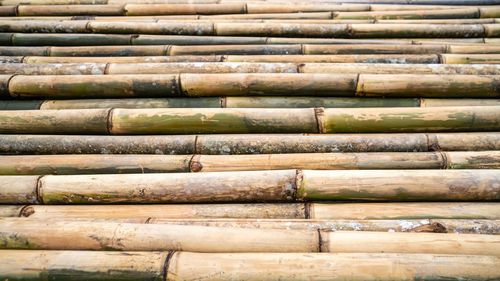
pixel 27 211
pixel 319 114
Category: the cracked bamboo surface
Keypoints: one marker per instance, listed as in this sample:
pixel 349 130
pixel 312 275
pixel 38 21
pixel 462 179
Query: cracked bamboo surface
pixel 58 265
pixel 118 164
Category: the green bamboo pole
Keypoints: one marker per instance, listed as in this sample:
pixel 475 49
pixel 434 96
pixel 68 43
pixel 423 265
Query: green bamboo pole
pixel 109 164
pixel 83 265
pixel 243 67
pixel 247 144
pixel 254 186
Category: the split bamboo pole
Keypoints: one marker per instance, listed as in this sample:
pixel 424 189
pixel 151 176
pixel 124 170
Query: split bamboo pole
pixel 118 164
pixel 244 67
pixel 247 143
pixel 23 234
pixel 324 211
pixel 82 265
pixel 256 84
pixel 255 186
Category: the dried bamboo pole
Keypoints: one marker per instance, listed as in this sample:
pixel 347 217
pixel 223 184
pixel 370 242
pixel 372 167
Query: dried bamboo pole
pixel 255 84
pixel 471 58
pixel 463 13
pixel 394 58
pixel 21 234
pixel 58 265
pixel 325 211
pixel 255 186
pixel 128 236
pixel 247 144
pixel 244 67
pixel 64 265
pixel 109 164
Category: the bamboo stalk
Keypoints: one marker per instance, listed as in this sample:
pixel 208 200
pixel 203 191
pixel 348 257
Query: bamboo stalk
pixel 247 144
pixel 58 265
pixel 422 59
pixel 471 58
pixel 131 237
pixel 463 13
pixel 344 211
pixel 243 67
pixel 80 265
pixel 109 164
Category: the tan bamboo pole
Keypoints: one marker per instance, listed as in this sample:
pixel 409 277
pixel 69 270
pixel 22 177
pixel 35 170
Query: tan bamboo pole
pixel 407 210
pixel 458 102
pixel 153 237
pixel 319 49
pixel 83 265
pixel 104 164
pixel 243 67
pixel 261 186
pixel 411 225
pixel 470 59
pixel 247 143
pixel 128 236
pixel 73 10
pixel 58 265
pixel 394 58
pixel 19 189
pixel 401 242
pixel 324 211
pixel 409 85
pixel 463 13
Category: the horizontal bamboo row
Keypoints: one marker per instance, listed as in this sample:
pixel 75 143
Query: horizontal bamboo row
pixel 242 102
pixel 179 266
pixel 230 50
pixel 374 58
pixel 244 67
pixel 412 225
pixel 258 29
pixel 344 10
pixel 137 163
pixel 253 186
pixel 93 39
pixel 253 84
pixel 321 211
pixel 62 235
pixel 247 143
pixel 250 120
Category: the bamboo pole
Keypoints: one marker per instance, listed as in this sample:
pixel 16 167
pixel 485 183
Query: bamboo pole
pixel 247 144
pixel 130 237
pixel 324 211
pixel 257 186
pixel 80 265
pixel 463 13
pixel 117 164
pixel 243 67
pixel 394 58
pixel 471 58
pixel 58 265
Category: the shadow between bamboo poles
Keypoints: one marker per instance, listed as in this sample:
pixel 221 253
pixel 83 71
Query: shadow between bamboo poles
pixel 244 67
pixel 254 186
pixel 127 236
pixel 59 265
pixel 118 164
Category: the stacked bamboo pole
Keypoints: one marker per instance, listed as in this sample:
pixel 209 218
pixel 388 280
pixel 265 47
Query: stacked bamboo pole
pixel 249 139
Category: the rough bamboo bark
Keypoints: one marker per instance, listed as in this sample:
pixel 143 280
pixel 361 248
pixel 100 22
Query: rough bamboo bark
pixel 390 211
pixel 90 121
pixel 170 211
pixel 258 186
pixel 387 242
pixel 428 119
pixel 21 234
pixel 247 143
pixel 80 265
pixel 399 185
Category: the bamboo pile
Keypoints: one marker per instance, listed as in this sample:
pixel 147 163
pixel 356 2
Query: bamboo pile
pixel 178 140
